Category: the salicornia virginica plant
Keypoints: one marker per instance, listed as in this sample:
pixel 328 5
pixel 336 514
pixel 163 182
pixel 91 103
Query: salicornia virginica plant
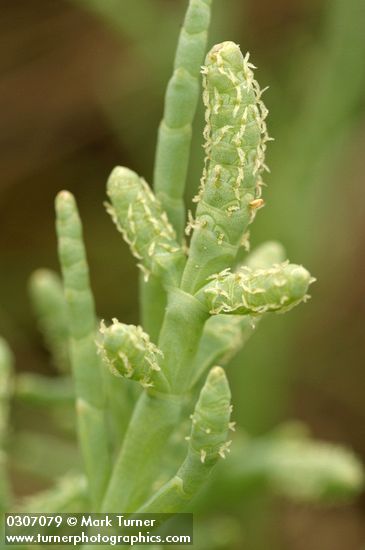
pixel 153 402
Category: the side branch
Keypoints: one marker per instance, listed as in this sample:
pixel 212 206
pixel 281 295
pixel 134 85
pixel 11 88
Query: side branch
pixel 85 362
pixel 182 94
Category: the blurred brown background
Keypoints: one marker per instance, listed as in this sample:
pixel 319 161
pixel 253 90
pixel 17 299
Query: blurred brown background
pixel 81 90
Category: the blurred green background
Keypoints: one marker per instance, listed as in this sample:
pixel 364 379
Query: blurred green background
pixel 81 90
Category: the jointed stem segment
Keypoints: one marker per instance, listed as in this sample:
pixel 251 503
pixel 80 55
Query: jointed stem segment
pixel 207 442
pixel 182 94
pixel 86 364
pixel 180 336
pixel 137 465
pixel 173 145
pixel 49 305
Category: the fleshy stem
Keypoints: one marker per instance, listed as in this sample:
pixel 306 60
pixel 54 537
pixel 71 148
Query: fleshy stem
pixel 207 442
pixel 156 413
pixel 180 336
pixel 46 293
pixel 86 365
pixel 137 465
pixel 144 225
pixel 174 142
pixel 182 95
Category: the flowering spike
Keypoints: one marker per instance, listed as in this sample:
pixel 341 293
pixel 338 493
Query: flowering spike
pixel 211 418
pixel 230 189
pixel 128 352
pixel 144 225
pixel 254 292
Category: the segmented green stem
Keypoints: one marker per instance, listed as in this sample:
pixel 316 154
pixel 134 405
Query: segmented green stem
pixel 86 364
pixel 223 337
pixel 46 292
pixel 173 144
pixel 121 398
pixel 157 414
pixel 152 238
pixel 144 225
pixel 180 336
pixel 254 292
pixel 182 94
pixel 170 173
pixel 6 370
pixel 230 189
pixel 137 465
pixel 207 442
pixel 152 305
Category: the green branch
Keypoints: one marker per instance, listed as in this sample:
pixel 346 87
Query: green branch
pixel 230 188
pixel 207 443
pixel 46 293
pixel 138 463
pixel 182 94
pixel 86 364
pixel 255 292
pixel 174 144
